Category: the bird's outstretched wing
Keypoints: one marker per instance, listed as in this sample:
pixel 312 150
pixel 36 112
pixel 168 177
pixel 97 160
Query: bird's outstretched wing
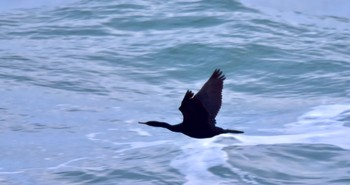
pixel 186 104
pixel 194 113
pixel 210 94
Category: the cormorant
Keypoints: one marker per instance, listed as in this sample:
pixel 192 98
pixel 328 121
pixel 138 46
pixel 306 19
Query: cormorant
pixel 199 111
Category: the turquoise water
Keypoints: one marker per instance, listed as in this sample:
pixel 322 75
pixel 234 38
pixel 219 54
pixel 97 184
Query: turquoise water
pixel 77 76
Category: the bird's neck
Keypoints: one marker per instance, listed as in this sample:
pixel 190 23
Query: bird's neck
pixel 173 128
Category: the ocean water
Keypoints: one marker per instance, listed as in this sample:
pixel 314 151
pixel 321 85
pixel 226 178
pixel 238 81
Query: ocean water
pixel 77 76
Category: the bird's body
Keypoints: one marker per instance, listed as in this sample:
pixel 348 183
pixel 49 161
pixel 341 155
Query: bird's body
pixel 199 111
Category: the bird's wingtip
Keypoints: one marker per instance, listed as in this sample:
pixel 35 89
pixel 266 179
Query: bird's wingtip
pixel 218 74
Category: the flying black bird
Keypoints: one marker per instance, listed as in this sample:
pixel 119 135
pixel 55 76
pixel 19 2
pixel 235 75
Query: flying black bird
pixel 199 111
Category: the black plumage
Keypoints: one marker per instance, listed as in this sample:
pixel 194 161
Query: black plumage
pixel 199 111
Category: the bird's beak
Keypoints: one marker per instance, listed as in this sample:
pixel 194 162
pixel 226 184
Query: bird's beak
pixel 141 122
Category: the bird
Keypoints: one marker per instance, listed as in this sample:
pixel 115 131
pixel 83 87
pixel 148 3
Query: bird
pixel 199 111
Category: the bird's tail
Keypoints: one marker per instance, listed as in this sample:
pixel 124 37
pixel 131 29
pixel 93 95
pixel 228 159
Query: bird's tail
pixel 233 131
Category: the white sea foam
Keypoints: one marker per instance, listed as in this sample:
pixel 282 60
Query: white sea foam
pixel 321 125
pixel 197 157
pixel 140 131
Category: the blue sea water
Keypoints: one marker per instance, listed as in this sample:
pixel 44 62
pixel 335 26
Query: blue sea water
pixel 77 76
